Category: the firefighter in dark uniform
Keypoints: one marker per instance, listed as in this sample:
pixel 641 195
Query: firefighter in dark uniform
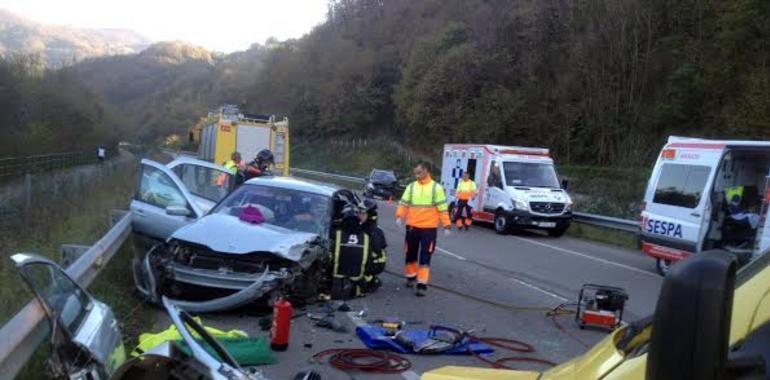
pixel 377 255
pixel 351 251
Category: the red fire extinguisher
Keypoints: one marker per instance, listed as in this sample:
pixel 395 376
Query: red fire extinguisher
pixel 279 335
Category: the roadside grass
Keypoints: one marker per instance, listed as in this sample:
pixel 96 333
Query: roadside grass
pixel 79 219
pixel 603 235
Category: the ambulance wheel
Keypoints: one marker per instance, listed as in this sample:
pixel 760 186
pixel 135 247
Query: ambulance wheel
pixel 663 266
pixel 451 211
pixel 502 226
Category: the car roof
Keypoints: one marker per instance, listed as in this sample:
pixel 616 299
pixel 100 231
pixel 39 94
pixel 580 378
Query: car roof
pixel 294 183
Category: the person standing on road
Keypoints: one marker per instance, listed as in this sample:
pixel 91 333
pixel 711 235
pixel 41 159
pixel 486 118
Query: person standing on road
pixel 100 154
pixel 423 206
pixel 466 190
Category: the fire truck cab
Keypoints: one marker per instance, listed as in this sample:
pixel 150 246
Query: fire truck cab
pixel 517 186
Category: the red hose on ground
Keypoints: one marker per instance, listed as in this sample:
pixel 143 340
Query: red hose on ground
pixel 509 345
pixel 376 361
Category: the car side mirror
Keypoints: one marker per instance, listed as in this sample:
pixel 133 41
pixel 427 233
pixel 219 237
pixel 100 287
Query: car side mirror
pixel 564 184
pixel 691 325
pixel 178 211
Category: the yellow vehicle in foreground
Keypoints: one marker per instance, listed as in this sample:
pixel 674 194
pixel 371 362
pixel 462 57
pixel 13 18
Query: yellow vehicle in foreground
pixel 227 130
pixel 711 323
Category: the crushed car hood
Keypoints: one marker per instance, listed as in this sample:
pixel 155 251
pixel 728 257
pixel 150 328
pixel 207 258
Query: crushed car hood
pixel 228 234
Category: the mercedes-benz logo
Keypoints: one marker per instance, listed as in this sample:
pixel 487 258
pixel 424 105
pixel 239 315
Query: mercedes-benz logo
pixel 547 207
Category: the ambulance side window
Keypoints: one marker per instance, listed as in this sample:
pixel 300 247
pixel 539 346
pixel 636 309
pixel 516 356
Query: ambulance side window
pixel 495 179
pixel 681 185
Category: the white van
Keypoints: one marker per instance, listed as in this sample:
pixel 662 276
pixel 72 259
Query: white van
pixel 518 187
pixel 706 194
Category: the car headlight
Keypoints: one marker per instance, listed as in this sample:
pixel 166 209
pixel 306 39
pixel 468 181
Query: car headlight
pixel 520 205
pixel 568 207
pixel 370 186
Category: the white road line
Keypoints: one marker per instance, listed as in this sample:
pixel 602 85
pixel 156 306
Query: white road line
pixel 456 256
pixel 539 289
pixel 571 252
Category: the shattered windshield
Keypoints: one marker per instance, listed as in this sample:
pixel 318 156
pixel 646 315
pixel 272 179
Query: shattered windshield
pixel 290 209
pixel 530 174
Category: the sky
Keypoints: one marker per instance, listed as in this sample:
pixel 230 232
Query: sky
pixel 221 25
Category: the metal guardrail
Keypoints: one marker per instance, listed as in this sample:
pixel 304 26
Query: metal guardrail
pixel 20 337
pixel 356 180
pixel 608 222
pixel 625 225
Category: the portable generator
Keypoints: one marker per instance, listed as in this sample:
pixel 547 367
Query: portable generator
pixel 600 306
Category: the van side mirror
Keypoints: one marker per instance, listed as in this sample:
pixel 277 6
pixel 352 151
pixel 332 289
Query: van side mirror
pixel 564 184
pixel 691 325
pixel 178 211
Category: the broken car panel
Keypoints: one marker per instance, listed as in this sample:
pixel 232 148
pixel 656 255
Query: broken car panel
pixel 86 342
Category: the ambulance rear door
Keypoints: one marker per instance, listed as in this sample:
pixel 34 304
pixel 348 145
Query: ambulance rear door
pixel 677 205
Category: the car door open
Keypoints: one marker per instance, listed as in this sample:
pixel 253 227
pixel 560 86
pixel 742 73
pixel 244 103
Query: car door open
pixel 206 182
pixel 85 339
pixel 162 203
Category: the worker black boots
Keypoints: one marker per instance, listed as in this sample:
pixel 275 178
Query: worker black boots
pixel 421 290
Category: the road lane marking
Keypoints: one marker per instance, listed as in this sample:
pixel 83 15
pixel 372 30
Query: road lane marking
pixel 539 289
pixel 571 252
pixel 456 256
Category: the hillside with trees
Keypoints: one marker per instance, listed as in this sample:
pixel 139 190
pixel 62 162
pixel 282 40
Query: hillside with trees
pixel 47 111
pixel 62 45
pixel 600 82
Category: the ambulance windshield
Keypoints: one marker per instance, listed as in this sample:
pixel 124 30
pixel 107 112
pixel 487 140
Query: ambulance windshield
pixel 530 174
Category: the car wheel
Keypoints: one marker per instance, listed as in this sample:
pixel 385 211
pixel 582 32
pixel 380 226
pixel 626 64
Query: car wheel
pixel 663 266
pixel 502 226
pixel 451 211
pixel 557 232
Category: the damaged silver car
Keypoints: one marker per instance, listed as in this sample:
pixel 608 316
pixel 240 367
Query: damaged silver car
pixel 86 343
pixel 269 233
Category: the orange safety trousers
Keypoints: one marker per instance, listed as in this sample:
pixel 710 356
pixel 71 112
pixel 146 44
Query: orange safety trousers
pixel 418 248
pixel 463 207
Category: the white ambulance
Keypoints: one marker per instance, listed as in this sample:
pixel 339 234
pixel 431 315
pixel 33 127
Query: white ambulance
pixel 707 194
pixel 517 186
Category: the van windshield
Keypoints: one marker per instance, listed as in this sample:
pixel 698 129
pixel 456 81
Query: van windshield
pixel 530 174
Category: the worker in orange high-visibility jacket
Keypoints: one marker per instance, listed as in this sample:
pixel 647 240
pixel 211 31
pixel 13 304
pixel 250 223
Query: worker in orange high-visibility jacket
pixel 424 207
pixel 466 190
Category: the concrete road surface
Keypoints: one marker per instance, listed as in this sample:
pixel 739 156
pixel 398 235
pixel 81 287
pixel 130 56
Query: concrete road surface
pixel 526 269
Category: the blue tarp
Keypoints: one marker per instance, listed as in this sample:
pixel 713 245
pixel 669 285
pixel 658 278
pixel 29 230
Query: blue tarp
pixel 375 338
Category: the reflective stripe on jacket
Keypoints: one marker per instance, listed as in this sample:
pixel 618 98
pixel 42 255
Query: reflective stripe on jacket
pixel 424 205
pixel 466 190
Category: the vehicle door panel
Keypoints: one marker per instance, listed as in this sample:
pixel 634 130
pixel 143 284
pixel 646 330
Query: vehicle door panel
pixel 207 183
pixel 680 203
pixel 494 194
pixel 159 189
pixel 75 318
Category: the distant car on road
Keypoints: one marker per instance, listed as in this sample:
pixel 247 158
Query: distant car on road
pixel 382 184
pixel 269 232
